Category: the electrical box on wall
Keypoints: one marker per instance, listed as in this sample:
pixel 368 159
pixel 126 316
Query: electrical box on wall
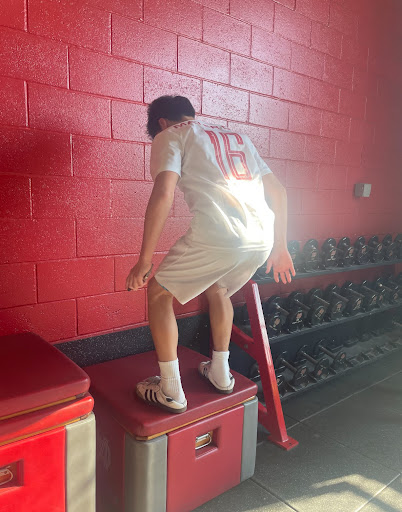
pixel 362 190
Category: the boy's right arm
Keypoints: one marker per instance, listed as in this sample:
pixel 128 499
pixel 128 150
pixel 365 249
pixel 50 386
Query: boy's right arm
pixel 157 212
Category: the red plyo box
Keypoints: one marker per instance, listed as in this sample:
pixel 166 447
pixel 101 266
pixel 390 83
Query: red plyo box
pixel 150 460
pixel 47 429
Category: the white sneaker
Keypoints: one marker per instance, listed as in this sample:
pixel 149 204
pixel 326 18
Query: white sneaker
pixel 150 390
pixel 205 370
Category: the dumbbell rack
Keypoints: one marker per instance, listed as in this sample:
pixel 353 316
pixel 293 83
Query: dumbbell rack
pixel 324 325
pixel 322 272
pixel 258 347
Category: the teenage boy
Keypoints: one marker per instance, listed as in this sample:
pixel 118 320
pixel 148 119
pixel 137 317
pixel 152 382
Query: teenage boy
pixel 239 222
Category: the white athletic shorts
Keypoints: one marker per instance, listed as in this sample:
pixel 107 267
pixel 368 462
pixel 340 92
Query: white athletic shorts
pixel 188 270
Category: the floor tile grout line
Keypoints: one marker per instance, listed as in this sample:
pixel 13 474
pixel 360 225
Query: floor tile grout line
pixel 273 494
pixel 297 423
pixel 398 475
pixel 377 493
pixel 340 443
pixel 346 446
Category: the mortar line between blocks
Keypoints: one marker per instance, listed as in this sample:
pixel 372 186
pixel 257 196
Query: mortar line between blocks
pixel 26 15
pixel 26 104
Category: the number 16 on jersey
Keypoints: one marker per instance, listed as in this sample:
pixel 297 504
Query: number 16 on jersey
pixel 241 172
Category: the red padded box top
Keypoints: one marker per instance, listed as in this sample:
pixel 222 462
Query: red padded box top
pixel 35 374
pixel 113 383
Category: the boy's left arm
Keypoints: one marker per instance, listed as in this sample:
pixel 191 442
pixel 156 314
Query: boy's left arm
pixel 158 209
pixel 279 260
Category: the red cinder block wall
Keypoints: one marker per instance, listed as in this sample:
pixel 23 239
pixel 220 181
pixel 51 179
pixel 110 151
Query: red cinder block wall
pixel 315 83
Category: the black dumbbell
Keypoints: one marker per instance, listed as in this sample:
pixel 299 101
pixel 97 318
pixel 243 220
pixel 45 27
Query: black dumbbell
pixel 391 283
pixel 350 342
pixel 321 365
pixel 339 358
pixel 241 315
pixel 389 294
pixel 254 372
pixel 318 306
pixel 311 255
pixel 294 321
pixel 300 374
pixel 355 303
pixel 346 252
pixel 281 383
pixel 294 251
pixel 380 289
pixel 389 248
pixel 294 303
pixel 370 295
pixel 274 314
pixel 329 253
pixel 260 273
pixel 398 245
pixel 376 249
pixel 362 254
pixel 337 303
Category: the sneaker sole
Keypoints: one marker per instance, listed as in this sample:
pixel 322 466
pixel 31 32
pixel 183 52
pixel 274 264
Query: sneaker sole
pixel 162 406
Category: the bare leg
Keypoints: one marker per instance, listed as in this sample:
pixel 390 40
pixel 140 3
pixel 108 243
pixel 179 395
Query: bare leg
pixel 221 317
pixel 162 321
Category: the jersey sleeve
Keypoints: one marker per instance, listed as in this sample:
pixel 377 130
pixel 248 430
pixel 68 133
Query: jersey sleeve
pixel 166 153
pixel 263 167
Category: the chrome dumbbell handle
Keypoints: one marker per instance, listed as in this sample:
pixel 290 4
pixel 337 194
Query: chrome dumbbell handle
pixel 370 290
pixel 355 293
pixel 303 306
pixel 281 310
pixel 327 351
pixel 343 299
pixel 287 365
pixel 323 302
pixel 308 357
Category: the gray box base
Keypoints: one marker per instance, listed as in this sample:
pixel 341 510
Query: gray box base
pixel 249 447
pixel 145 474
pixel 80 465
pixel 145 465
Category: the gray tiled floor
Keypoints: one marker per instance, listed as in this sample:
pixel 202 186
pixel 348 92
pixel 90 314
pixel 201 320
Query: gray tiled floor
pixel 349 457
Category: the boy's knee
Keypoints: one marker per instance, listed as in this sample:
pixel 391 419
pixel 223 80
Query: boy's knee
pixel 156 292
pixel 216 293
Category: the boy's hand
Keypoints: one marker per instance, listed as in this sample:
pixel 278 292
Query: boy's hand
pixel 281 264
pixel 138 275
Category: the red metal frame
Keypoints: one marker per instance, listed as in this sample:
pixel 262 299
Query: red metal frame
pixel 271 416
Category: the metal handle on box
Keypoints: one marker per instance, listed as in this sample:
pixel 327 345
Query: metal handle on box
pixel 5 476
pixel 203 440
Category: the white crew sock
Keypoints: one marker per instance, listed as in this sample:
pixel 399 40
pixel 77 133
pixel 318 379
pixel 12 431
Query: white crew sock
pixel 171 381
pixel 220 368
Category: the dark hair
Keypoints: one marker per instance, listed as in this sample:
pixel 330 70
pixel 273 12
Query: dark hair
pixel 168 107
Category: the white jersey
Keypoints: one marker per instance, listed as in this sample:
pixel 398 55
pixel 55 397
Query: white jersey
pixel 221 178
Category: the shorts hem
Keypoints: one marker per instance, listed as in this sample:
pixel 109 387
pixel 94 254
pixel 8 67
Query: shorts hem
pixel 175 295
